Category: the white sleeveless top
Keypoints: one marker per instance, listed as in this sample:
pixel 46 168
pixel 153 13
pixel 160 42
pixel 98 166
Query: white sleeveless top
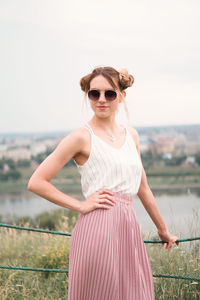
pixel 119 170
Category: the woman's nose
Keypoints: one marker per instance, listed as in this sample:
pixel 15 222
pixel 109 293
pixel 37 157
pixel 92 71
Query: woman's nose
pixel 102 97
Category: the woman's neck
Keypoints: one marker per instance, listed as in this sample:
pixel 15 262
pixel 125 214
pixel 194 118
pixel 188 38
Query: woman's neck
pixel 105 124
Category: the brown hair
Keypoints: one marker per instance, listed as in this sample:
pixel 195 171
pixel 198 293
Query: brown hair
pixel 123 79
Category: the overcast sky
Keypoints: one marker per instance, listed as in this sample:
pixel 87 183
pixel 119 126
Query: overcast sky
pixel 46 46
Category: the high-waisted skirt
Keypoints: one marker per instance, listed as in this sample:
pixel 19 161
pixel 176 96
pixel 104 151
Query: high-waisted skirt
pixel 108 258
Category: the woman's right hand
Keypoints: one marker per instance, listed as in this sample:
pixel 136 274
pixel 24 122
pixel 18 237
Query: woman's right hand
pixel 99 199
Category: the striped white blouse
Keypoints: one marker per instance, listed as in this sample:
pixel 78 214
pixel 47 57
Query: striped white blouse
pixel 119 170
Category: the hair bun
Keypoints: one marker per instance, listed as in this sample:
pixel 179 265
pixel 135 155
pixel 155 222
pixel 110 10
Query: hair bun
pixel 126 80
pixel 84 83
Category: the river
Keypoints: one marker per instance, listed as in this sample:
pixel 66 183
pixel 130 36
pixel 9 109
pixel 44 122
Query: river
pixel 179 208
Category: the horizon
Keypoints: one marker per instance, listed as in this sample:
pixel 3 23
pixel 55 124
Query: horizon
pixel 68 130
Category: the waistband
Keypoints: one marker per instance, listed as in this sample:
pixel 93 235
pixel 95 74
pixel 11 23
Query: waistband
pixel 123 198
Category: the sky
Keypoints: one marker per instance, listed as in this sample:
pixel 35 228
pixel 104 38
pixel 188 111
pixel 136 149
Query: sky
pixel 46 46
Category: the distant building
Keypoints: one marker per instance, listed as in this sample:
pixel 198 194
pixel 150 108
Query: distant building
pixel 167 155
pixel 6 168
pixel 18 153
pixel 163 144
pixel 190 161
pixel 37 147
pixel 3 149
pixel 192 147
pixel 146 143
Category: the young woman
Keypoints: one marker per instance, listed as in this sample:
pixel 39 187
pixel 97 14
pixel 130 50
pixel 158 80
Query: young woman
pixel 108 259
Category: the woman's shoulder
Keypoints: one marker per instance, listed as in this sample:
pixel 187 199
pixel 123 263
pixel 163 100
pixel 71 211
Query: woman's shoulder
pixel 72 144
pixel 78 136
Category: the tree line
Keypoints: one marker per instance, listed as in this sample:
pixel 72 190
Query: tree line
pixel 10 169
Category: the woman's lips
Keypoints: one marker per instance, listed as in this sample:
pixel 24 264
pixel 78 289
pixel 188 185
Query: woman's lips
pixel 102 107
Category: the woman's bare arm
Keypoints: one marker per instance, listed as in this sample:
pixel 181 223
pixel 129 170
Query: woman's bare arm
pixel 39 182
pixel 147 198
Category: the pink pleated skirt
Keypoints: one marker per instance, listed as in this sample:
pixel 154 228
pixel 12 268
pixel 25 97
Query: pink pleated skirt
pixel 108 258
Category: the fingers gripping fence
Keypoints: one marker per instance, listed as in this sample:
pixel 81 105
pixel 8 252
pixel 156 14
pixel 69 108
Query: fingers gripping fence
pixel 69 234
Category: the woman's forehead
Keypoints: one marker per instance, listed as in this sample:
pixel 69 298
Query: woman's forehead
pixel 100 82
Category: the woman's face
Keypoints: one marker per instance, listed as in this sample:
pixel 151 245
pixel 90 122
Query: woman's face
pixel 102 107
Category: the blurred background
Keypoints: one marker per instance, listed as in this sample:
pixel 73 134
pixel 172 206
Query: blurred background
pixel 47 46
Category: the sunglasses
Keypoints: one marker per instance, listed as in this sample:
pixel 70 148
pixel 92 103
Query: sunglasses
pixel 94 95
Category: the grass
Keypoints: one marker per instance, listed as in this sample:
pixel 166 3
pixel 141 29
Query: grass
pixel 173 170
pixel 33 250
pixel 39 250
pixel 179 261
pixel 174 180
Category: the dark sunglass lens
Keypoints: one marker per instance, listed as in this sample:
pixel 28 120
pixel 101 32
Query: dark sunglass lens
pixel 110 95
pixel 93 94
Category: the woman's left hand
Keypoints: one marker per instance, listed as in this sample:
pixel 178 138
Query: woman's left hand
pixel 167 237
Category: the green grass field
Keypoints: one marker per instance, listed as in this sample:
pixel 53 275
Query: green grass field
pixel 40 250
